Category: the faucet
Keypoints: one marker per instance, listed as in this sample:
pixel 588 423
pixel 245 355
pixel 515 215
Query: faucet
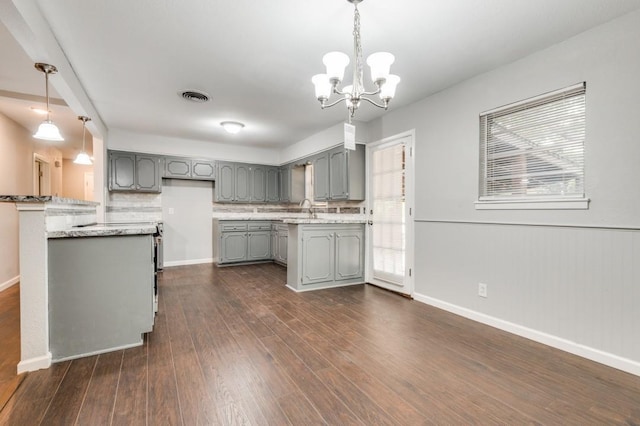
pixel 310 210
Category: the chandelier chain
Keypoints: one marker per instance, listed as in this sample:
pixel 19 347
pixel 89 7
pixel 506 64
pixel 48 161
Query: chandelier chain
pixel 358 69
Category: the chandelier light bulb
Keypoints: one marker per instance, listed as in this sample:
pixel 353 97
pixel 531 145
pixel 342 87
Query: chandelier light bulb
pixel 323 86
pixel 336 62
pixel 380 64
pixel 388 89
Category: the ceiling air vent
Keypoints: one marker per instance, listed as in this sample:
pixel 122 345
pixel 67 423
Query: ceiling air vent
pixel 195 96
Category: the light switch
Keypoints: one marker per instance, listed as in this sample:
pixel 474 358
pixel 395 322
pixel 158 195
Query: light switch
pixel 171 210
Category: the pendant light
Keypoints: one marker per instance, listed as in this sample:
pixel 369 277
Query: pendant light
pixel 47 130
pixel 83 158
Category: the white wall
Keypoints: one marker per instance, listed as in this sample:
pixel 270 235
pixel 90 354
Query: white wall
pixel 17 147
pixel 130 141
pixel 570 287
pixel 188 229
pixel 322 140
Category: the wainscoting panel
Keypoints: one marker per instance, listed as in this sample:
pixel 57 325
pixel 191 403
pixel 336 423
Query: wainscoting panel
pixel 577 285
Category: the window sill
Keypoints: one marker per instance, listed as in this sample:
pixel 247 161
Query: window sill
pixel 560 204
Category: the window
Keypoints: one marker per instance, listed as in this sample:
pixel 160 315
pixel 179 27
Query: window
pixel 532 153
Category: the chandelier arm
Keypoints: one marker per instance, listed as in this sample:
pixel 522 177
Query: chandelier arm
pixel 383 106
pixel 375 92
pixel 332 103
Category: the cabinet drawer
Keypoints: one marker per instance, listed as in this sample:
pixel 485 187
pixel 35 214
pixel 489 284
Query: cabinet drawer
pixel 259 226
pixel 225 227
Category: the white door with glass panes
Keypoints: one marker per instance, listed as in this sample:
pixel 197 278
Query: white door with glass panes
pixel 389 213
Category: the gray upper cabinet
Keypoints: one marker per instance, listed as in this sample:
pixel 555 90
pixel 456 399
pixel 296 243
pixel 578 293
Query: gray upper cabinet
pixel 258 192
pixel 203 169
pixel 129 171
pixel 247 183
pixel 285 183
pixel 225 184
pixel 188 168
pixel 342 177
pixel 242 173
pixel 321 177
pixel 273 185
pixel 175 167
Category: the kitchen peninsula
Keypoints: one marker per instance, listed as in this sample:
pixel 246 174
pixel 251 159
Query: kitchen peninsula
pixel 320 252
pixel 83 289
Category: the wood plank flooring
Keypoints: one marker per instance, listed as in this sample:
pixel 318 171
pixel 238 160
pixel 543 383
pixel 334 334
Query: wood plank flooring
pixel 9 342
pixel 234 346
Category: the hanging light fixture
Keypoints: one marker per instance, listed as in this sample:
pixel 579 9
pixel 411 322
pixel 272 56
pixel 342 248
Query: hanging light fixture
pixel 336 62
pixel 47 130
pixel 83 158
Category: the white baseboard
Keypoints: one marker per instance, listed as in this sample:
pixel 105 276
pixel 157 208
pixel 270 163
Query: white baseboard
pixel 34 364
pixel 609 359
pixel 187 262
pixel 5 285
pixel 323 287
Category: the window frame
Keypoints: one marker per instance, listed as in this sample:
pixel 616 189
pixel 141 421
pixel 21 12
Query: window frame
pixel 523 201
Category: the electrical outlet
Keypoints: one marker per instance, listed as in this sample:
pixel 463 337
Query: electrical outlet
pixel 171 211
pixel 482 290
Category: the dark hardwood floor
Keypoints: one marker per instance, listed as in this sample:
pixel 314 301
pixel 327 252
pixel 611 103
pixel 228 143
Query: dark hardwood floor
pixel 9 342
pixel 234 346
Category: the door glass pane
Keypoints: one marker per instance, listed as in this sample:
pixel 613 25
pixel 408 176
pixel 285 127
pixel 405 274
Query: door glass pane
pixel 388 230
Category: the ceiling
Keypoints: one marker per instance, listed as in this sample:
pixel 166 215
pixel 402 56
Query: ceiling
pixel 256 58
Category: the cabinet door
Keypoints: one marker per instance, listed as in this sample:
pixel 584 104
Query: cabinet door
pixel 274 243
pixel 203 169
pixel 122 171
pixel 321 177
pixel 258 184
pixel 281 243
pixel 259 244
pixel 285 184
pixel 225 184
pixel 349 254
pixel 178 168
pixel 233 247
pixel 317 257
pixel 242 183
pixel 148 173
pixel 338 177
pixel 273 193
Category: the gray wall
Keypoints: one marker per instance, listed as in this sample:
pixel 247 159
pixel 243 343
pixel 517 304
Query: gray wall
pixel 188 231
pixel 574 286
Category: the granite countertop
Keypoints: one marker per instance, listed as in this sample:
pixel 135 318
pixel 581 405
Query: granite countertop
pixel 44 199
pixel 296 218
pixel 310 221
pixel 104 230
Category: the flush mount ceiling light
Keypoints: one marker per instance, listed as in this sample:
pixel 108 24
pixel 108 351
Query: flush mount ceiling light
pixel 336 62
pixel 232 126
pixel 83 158
pixel 47 130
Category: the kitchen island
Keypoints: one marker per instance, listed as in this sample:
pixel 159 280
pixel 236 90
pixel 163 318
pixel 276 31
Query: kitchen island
pixel 58 251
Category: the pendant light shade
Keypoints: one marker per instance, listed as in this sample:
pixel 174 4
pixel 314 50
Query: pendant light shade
pixel 47 130
pixel 83 158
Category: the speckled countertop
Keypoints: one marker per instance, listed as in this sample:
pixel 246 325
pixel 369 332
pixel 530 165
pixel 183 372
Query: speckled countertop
pixel 104 230
pixel 296 218
pixel 44 199
pixel 310 221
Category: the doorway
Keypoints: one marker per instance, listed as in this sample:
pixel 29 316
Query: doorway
pixel 41 175
pixel 390 198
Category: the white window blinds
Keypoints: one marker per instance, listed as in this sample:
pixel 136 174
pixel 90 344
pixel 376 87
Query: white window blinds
pixel 534 149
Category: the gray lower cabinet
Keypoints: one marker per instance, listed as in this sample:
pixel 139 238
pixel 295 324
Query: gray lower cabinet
pixel 130 171
pixel 279 242
pixel 101 293
pixel 325 255
pixel 242 241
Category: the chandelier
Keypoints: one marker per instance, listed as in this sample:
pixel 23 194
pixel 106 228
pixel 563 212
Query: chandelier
pixel 336 62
